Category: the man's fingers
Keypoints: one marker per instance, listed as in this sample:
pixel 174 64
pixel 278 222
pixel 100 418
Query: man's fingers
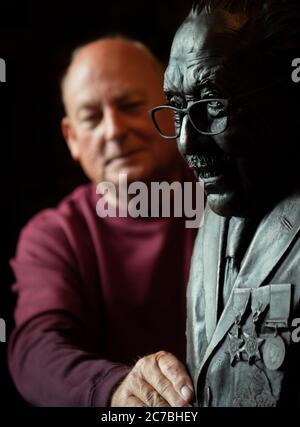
pixel 154 375
pixel 136 391
pixel 157 380
pixel 149 395
pixel 176 373
pixel 133 401
pixel 153 383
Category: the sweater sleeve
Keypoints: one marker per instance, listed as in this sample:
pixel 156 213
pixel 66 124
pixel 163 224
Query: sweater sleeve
pixel 50 359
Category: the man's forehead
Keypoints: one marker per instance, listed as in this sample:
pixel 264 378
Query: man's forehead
pixel 201 46
pixel 89 82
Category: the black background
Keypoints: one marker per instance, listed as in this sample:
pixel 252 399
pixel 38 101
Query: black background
pixel 36 39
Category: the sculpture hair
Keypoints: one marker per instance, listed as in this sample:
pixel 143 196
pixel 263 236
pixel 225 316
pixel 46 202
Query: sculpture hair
pixel 280 19
pixel 276 21
pixel 207 6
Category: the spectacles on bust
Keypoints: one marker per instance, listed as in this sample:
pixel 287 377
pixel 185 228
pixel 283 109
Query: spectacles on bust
pixel 207 116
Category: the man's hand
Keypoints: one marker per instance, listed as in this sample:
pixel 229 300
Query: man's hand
pixel 156 380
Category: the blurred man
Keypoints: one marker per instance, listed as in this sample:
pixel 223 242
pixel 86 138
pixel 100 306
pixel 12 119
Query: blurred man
pixel 96 294
pixel 229 86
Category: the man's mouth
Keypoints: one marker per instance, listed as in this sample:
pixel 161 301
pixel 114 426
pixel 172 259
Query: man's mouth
pixel 123 156
pixel 209 166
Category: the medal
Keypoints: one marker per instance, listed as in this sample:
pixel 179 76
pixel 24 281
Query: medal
pixel 251 346
pixel 234 348
pixel 235 343
pixel 253 342
pixel 236 340
pixel 274 352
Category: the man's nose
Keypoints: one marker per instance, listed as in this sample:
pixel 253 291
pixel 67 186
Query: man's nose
pixel 114 125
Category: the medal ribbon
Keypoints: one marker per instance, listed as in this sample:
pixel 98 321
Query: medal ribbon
pixel 280 301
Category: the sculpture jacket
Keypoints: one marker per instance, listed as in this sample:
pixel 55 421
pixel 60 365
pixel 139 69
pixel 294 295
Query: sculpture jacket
pixel 248 354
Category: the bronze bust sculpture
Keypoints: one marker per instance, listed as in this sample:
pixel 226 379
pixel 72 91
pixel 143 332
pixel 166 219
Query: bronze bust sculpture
pixel 235 109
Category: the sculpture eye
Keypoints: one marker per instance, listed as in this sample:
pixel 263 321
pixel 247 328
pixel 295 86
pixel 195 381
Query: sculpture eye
pixel 177 118
pixel 216 109
pixel 177 102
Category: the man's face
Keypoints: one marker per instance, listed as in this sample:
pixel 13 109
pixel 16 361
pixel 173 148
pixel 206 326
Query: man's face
pixel 110 88
pixel 207 61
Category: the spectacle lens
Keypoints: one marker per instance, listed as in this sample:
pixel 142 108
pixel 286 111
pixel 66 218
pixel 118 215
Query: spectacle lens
pixel 209 116
pixel 167 122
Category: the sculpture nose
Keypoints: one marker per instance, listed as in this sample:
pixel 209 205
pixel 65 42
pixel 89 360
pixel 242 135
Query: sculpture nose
pixel 184 141
pixel 191 141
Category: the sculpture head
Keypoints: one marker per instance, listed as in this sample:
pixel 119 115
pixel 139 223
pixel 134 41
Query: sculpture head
pixel 235 56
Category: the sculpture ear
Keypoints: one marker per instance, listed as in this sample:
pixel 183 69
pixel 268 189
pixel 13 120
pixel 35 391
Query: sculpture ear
pixel 70 136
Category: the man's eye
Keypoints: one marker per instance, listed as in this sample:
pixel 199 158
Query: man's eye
pixel 132 106
pixel 91 121
pixel 91 118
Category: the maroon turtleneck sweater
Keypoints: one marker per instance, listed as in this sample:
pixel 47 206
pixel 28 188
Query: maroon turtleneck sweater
pixel 94 295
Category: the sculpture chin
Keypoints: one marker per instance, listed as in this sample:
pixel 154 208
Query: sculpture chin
pixel 223 197
pixel 224 204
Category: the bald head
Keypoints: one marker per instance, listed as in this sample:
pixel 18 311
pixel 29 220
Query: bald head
pixel 108 89
pixel 113 55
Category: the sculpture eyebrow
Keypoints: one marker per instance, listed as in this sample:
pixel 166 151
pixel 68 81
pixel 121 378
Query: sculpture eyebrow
pixel 199 81
pixel 173 83
pixel 191 80
pixel 185 89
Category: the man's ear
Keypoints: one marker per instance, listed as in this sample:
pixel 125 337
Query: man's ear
pixel 70 137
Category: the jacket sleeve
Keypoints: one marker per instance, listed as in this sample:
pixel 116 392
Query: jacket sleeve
pixel 50 359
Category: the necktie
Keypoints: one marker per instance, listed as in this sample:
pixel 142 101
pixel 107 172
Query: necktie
pixel 240 233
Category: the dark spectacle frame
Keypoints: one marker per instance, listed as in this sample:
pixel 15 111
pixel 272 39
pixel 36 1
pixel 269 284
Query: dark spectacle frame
pixel 207 116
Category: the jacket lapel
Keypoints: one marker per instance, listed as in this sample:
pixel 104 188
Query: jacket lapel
pixel 272 239
pixel 214 241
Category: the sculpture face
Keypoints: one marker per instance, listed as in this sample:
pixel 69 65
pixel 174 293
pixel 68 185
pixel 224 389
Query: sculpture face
pixel 240 166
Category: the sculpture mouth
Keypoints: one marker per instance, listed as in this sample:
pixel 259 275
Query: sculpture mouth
pixel 209 166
